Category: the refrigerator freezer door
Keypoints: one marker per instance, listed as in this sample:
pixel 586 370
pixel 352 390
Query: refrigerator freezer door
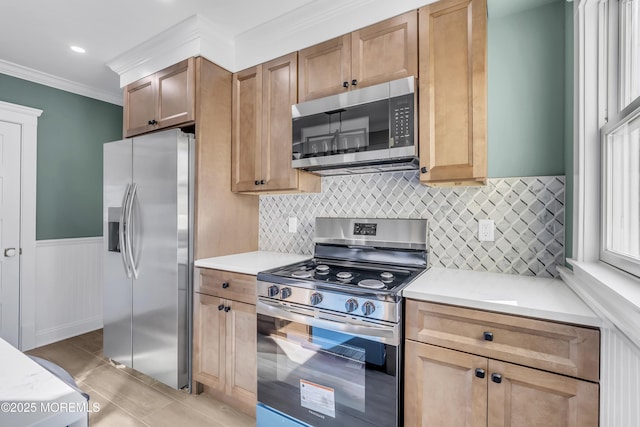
pixel 117 286
pixel 160 253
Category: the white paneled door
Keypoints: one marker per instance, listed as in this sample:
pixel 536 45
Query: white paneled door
pixel 10 144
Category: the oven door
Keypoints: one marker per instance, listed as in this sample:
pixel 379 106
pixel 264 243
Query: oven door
pixel 321 370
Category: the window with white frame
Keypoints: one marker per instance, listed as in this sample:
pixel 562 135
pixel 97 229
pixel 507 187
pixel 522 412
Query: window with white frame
pixel 620 217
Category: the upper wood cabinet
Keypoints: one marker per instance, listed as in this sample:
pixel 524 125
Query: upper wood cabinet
pixel 381 52
pixel 161 100
pixel 261 130
pixel 234 228
pixel 453 92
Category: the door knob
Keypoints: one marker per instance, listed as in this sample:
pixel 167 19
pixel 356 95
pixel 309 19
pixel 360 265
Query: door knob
pixel 9 252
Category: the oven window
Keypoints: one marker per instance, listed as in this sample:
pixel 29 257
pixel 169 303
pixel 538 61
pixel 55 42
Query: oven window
pixel 323 377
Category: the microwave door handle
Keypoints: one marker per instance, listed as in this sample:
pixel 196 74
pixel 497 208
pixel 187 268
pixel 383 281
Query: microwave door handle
pixel 121 231
pixel 132 262
pixel 386 334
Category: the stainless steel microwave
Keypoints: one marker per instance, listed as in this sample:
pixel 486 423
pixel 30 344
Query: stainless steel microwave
pixel 372 129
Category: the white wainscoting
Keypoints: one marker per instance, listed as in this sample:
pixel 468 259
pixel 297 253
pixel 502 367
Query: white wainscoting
pixel 68 288
pixel 620 380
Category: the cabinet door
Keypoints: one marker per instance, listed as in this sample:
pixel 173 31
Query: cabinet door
pixel 176 94
pixel 533 398
pixel 241 351
pixel 246 129
pixel 443 387
pixel 208 341
pixel 385 51
pixel 279 93
pixel 139 106
pixel 324 68
pixel 453 92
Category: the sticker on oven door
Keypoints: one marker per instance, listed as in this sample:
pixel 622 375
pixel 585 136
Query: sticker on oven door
pixel 317 398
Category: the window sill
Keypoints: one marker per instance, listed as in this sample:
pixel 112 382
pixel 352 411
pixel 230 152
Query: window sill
pixel 614 295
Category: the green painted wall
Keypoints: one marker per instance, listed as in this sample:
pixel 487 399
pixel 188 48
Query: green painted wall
pixel 71 131
pixel 526 90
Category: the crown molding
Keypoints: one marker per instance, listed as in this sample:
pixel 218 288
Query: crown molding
pixel 302 27
pixel 305 26
pixel 313 23
pixel 181 41
pixel 25 73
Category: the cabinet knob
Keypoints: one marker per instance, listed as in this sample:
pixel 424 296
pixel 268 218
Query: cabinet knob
pixel 488 336
pixel 226 309
pixel 225 285
pixel 152 122
pixel 496 378
pixel 256 182
pixel 424 169
pixel 480 373
pixel 221 307
pixel 262 182
pixel 354 82
pixel 345 84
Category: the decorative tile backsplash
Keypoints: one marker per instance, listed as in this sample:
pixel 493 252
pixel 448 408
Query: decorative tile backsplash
pixel 528 215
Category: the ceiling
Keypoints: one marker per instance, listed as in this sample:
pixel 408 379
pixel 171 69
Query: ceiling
pixel 43 31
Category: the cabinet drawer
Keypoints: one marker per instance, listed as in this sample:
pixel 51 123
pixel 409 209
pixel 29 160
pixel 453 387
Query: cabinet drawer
pixel 224 284
pixel 555 347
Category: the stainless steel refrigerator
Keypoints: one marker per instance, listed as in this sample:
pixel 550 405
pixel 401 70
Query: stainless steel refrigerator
pixel 148 255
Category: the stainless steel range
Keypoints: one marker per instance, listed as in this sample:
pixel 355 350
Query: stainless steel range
pixel 330 328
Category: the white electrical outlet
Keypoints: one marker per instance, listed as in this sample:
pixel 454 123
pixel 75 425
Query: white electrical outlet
pixel 485 230
pixel 293 224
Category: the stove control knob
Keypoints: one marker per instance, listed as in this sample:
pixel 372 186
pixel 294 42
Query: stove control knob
pixel 285 293
pixel 351 305
pixel 316 298
pixel 273 291
pixel 368 308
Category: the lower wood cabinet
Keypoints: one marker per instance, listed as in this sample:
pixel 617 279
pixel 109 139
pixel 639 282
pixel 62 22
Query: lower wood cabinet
pixel 441 388
pixel 224 348
pixel 466 385
pixel 446 387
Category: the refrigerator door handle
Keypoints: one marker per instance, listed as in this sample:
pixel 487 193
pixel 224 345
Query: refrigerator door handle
pixel 132 262
pixel 121 231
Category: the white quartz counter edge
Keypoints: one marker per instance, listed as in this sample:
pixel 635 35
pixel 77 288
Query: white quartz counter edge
pixel 549 299
pixel 250 262
pixel 32 396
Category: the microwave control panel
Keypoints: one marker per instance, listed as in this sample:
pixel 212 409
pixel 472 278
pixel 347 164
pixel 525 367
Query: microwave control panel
pixel 402 117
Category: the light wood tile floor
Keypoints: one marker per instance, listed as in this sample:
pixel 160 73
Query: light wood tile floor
pixel 129 398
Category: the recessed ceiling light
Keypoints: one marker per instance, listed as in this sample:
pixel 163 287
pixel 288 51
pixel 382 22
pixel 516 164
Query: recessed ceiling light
pixel 77 49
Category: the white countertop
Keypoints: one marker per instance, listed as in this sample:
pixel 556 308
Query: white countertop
pixel 27 391
pixel 538 297
pixel 250 262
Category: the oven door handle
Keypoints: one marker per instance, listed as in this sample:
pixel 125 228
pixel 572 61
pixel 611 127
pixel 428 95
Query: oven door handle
pixel 380 333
